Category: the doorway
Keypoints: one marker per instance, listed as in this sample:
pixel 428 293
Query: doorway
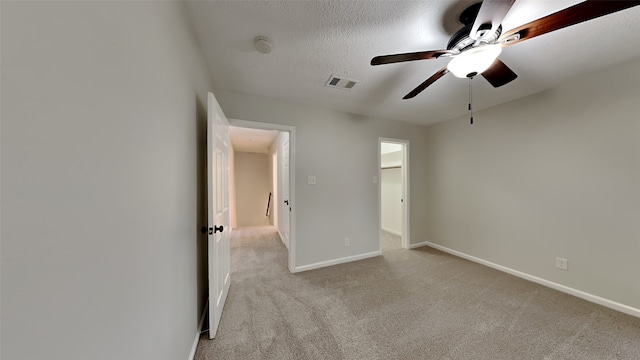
pixel 250 173
pixel 280 155
pixel 393 193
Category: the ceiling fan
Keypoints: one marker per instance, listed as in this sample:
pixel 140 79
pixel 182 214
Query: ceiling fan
pixel 475 48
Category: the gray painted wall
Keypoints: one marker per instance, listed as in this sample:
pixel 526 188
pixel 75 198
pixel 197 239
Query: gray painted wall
pixel 341 150
pixel 103 145
pixel 553 174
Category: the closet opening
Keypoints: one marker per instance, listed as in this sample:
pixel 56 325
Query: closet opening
pixel 393 194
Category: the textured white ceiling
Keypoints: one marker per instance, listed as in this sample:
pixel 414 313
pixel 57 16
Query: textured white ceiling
pixel 252 140
pixel 313 40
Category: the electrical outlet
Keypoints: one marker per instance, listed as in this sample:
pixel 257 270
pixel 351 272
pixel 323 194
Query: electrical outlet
pixel 562 263
pixel 311 180
pixel 347 242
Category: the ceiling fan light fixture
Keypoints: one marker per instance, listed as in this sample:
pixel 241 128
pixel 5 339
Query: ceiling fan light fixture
pixel 474 61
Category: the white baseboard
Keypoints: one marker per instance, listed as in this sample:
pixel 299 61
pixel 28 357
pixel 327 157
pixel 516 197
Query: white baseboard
pixel 192 354
pixel 282 239
pixel 337 261
pixel 565 289
pixel 424 243
pixel 394 232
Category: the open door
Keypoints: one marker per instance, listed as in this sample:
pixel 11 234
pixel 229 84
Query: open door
pixel 218 211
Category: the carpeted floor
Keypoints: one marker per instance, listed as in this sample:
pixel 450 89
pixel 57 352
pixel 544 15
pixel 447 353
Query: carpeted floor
pixel 406 304
pixel 390 242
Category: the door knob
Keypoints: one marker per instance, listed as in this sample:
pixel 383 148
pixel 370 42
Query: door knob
pixel 205 230
pixel 286 202
pixel 217 228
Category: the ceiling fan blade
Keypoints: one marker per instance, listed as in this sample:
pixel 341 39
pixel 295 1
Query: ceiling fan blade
pixel 499 74
pixel 421 55
pixel 426 83
pixel 572 15
pixel 491 12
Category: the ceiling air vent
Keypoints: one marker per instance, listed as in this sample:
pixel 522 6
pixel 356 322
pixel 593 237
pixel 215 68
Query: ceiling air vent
pixel 340 83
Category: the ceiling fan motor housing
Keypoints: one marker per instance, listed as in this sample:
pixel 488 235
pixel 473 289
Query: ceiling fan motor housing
pixel 468 15
pixel 461 40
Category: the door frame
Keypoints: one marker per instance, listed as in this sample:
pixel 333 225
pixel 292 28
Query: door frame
pixel 285 159
pixel 406 235
pixel 292 176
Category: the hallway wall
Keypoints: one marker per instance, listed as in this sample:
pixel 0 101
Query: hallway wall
pixel 252 186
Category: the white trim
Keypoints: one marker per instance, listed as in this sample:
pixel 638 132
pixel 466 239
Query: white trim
pixel 338 261
pixel 281 238
pixel 192 354
pixel 424 243
pixel 397 233
pixel 563 288
pixel 406 184
pixel 292 177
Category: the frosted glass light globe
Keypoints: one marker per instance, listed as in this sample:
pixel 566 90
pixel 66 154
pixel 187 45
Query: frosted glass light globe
pixel 475 60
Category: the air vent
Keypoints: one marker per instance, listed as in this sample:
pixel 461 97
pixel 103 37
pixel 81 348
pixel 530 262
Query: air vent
pixel 340 83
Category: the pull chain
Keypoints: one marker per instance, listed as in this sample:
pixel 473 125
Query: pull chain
pixel 470 101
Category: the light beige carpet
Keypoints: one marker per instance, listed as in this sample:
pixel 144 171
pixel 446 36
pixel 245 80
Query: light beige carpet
pixel 390 242
pixel 406 304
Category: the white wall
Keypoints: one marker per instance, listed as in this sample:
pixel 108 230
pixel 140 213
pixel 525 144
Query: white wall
pixel 252 185
pixel 393 158
pixel 341 150
pixel 103 191
pixel 391 195
pixel 553 174
pixel 391 192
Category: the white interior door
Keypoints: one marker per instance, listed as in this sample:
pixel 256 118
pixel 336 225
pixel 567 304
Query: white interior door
pixel 285 193
pixel 218 211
